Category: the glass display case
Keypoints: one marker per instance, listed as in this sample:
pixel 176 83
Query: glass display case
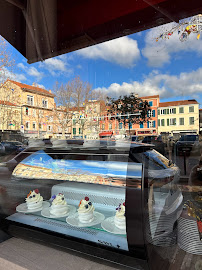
pixel 116 198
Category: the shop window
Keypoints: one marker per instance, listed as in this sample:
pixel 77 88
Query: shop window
pixel 34 125
pixel 191 108
pixel 191 120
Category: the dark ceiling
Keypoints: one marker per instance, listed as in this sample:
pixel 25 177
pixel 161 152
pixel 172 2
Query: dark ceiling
pixel 40 29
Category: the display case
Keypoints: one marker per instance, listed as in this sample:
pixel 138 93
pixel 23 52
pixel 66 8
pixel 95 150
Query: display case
pixel 97 199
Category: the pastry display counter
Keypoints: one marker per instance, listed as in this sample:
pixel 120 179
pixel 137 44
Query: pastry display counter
pixel 99 200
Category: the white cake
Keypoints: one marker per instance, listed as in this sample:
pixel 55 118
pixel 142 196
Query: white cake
pixel 34 200
pixel 120 219
pixel 59 205
pixel 86 211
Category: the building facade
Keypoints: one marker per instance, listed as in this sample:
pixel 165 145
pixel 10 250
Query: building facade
pixel 36 108
pixel 147 128
pixel 178 117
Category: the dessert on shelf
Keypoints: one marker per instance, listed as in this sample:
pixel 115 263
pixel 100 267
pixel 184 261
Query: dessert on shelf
pixel 59 205
pixel 120 219
pixel 34 200
pixel 86 211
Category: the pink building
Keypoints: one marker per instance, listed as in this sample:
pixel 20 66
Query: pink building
pixel 148 128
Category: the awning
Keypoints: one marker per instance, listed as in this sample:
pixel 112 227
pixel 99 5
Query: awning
pixel 41 29
pixel 107 133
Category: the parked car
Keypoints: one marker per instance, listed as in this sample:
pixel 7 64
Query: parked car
pixel 12 147
pixel 188 144
pixel 157 141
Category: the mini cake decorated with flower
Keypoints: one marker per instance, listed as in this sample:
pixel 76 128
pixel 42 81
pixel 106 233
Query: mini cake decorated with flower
pixel 34 200
pixel 120 218
pixel 59 205
pixel 86 211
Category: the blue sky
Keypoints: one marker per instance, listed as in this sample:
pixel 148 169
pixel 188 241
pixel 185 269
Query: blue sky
pixel 137 63
pixel 107 168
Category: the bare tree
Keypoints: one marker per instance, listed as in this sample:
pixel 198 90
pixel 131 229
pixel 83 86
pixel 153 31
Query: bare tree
pixel 62 111
pixel 8 96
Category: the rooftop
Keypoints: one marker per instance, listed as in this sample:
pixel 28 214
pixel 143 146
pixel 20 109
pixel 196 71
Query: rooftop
pixel 33 88
pixel 7 103
pixel 178 103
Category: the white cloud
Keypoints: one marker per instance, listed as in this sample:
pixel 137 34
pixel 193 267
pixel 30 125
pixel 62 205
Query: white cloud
pixel 6 74
pixel 165 85
pixel 40 86
pixel 35 73
pixel 21 65
pixel 123 51
pixel 31 71
pixel 56 65
pixel 159 53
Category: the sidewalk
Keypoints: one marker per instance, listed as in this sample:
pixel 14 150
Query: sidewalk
pixel 19 254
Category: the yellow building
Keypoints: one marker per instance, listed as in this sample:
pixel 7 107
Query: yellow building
pixel 10 116
pixel 177 117
pixel 36 104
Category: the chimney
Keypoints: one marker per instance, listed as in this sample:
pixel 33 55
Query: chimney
pixel 49 91
pixel 33 84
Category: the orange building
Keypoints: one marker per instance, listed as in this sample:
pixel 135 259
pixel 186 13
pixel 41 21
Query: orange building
pixel 117 128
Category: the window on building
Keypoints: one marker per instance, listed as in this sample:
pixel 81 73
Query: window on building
pixel 120 125
pixel 181 121
pixel 151 103
pixel 74 122
pixel 159 122
pixel 173 122
pixel 191 120
pixel 44 103
pixel 172 110
pixel 191 108
pixel 181 110
pixel 40 126
pixel 163 111
pixel 27 111
pixel 80 131
pixel 141 125
pixel 110 126
pixel 27 125
pixel 74 131
pixel 130 126
pixel 30 100
pixel 34 125
pixel 151 124
pixel 49 128
pixel 162 122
